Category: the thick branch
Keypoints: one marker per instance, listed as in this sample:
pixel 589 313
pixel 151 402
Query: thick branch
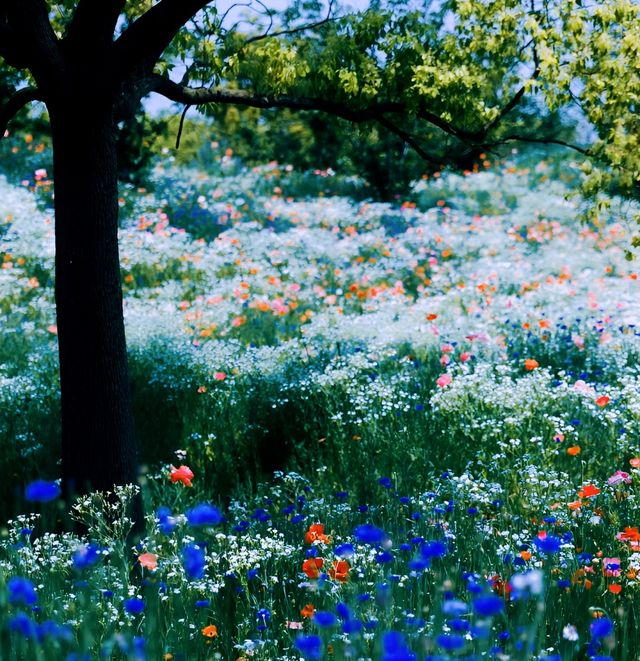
pixel 93 23
pixel 196 97
pixel 542 141
pixel 142 44
pixel 15 103
pixel 510 105
pixel 10 49
pixel 32 38
pixel 408 138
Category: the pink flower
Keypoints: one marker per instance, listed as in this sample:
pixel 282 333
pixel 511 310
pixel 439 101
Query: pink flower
pixel 148 561
pixel 464 356
pixel 443 380
pixel 619 476
pixel 219 376
pixel 611 566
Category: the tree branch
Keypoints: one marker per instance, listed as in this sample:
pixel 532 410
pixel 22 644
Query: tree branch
pixel 510 105
pixel 542 141
pixel 200 96
pixel 142 43
pixel 15 103
pixel 408 139
pixel 301 28
pixel 93 23
pixel 32 39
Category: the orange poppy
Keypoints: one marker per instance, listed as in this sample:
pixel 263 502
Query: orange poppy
pixel 210 631
pixel 602 401
pixel 531 364
pixel 308 611
pixel 615 588
pixel 573 450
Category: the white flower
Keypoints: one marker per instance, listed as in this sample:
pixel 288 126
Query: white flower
pixel 569 632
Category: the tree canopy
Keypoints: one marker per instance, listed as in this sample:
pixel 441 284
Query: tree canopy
pixel 428 72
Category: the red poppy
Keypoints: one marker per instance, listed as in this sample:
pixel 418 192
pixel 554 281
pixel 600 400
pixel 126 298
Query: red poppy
pixel 312 566
pixel 588 491
pixel 316 534
pixel 339 571
pixel 183 474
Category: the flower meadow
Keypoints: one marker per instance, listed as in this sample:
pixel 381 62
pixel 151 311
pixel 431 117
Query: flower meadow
pixel 401 431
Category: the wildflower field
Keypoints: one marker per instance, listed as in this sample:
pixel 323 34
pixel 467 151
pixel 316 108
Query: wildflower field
pixel 369 431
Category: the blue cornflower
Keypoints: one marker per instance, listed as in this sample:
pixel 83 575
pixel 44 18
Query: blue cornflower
pixel 343 611
pixel 42 491
pixel 384 557
pixel 85 556
pixel 263 616
pixel 21 591
pixel 434 549
pixel 204 514
pixel 22 623
pixel 166 523
pixel 324 619
pixel 454 607
pixel 369 534
pixel 601 628
pixel 395 648
pixel 450 642
pixel 352 626
pixel 548 545
pixel 344 550
pixel 134 606
pixel 385 482
pixel 193 561
pixel 202 603
pixel 488 605
pixel 309 646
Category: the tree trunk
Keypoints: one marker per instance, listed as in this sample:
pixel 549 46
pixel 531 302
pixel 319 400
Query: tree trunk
pixel 98 439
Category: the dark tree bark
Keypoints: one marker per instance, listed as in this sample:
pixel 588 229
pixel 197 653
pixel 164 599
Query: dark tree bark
pixel 98 443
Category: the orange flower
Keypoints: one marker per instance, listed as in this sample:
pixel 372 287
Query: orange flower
pixel 308 611
pixel 183 474
pixel 588 491
pixel 432 316
pixel 148 561
pixel 210 631
pixel 531 364
pixel 575 505
pixel 339 571
pixel 316 534
pixel 312 566
pixel 525 555
pixel 635 462
pixel 615 588
pixel 602 401
pixel 573 450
